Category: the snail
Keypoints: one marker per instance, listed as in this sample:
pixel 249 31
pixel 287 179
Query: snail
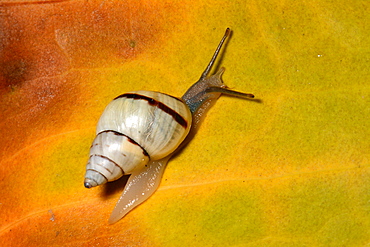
pixel 139 131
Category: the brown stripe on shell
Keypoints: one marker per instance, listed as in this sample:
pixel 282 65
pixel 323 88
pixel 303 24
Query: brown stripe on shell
pixel 129 139
pixel 176 116
pixel 105 157
pixel 94 144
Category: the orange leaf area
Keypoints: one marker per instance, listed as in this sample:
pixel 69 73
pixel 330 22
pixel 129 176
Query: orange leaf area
pixel 292 170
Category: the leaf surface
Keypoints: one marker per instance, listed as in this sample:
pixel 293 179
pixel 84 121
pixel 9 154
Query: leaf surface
pixel 290 171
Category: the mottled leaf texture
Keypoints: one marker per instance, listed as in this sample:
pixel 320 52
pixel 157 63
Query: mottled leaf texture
pixel 292 170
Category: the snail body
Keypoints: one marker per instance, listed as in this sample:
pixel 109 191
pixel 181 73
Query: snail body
pixel 139 131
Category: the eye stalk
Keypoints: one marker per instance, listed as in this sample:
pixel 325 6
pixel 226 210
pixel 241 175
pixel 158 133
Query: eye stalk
pixel 214 57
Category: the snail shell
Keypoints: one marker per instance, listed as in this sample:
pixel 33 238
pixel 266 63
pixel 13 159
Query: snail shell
pixel 139 131
pixel 134 128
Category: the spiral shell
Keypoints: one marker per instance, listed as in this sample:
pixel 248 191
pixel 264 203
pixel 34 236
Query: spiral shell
pixel 134 128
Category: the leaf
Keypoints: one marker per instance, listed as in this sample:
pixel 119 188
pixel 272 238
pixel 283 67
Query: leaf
pixel 290 171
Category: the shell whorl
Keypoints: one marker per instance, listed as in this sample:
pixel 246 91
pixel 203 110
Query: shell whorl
pixel 134 128
pixel 156 121
pixel 108 152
